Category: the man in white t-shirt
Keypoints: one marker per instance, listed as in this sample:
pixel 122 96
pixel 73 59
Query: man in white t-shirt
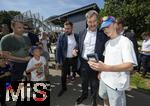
pixel 37 65
pixel 119 60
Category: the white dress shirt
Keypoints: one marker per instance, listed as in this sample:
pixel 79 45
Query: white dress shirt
pixel 89 43
pixel 71 45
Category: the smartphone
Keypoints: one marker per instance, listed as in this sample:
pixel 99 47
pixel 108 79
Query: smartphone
pixel 93 56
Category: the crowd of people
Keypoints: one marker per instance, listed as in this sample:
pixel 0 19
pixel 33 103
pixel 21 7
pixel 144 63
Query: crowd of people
pixel 23 55
pixel 114 52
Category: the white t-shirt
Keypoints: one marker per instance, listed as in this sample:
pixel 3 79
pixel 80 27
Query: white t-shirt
pixel 146 46
pixel 89 43
pixel 118 51
pixel 34 75
pixel 71 45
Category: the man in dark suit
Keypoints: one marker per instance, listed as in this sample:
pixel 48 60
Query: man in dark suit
pixel 65 45
pixel 90 41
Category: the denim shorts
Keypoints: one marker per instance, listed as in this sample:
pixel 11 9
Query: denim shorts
pixel 115 97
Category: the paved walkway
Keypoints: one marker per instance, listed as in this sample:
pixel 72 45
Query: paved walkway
pixel 134 98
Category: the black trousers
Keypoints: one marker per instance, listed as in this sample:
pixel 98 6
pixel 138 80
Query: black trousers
pixel 146 63
pixel 89 77
pixel 18 69
pixel 66 68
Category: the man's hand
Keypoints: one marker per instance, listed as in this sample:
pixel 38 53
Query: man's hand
pixel 5 54
pixel 98 66
pixel 75 52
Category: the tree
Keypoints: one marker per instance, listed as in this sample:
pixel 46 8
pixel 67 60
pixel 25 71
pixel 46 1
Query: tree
pixel 135 12
pixel 7 16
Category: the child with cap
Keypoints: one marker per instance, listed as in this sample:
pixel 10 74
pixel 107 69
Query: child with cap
pixel 119 61
pixel 37 65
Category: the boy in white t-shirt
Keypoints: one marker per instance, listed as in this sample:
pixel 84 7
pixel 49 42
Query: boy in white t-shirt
pixel 37 65
pixel 119 60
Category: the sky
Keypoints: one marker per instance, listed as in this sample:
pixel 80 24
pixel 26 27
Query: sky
pixel 46 8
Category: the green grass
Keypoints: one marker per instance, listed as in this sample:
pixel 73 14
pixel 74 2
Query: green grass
pixel 142 84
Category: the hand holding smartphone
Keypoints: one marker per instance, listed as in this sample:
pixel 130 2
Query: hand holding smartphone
pixel 93 57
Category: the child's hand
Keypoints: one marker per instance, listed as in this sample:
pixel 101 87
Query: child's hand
pixel 35 67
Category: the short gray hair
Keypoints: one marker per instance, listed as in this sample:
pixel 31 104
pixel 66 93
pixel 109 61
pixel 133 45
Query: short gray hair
pixel 91 13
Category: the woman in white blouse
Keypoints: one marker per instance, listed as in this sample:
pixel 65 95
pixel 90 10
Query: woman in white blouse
pixel 145 50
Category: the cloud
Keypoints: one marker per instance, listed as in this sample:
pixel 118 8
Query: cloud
pixel 45 7
pixel 68 3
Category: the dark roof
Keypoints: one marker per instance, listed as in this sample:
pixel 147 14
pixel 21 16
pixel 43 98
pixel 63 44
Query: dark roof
pixel 88 7
pixel 52 17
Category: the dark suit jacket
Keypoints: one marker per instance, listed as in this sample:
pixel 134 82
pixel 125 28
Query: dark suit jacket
pixel 132 37
pixel 34 38
pixel 61 47
pixel 101 39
